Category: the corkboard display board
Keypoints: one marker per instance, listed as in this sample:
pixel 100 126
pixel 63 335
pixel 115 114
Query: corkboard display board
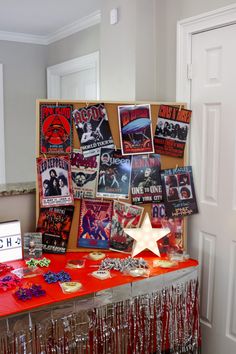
pixel 112 112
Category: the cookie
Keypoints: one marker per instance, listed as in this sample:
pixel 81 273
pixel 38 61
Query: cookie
pixel 76 263
pixel 164 263
pixel 70 286
pixel 96 256
pixel 101 274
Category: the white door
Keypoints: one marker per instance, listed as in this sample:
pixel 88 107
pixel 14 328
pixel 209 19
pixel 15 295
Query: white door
pixel 212 233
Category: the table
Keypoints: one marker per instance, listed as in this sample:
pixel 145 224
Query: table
pixel 117 315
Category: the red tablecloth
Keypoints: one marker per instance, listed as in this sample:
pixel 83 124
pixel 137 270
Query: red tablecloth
pixel 9 305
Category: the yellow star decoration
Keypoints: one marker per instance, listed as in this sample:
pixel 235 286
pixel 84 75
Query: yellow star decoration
pixel 146 237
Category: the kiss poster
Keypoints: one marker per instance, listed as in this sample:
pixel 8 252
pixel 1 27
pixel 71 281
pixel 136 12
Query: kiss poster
pixel 55 128
pixel 135 129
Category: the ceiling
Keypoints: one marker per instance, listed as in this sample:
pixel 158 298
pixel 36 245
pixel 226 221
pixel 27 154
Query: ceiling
pixel 43 17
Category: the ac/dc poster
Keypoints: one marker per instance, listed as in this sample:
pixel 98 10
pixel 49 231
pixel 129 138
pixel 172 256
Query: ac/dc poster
pixel 55 128
pixel 54 223
pixel 84 175
pixel 54 179
pixel 135 129
pixel 145 179
pixel 174 240
pixel 178 192
pixel 124 216
pixel 114 174
pixel 171 130
pixel 95 223
pixel 93 129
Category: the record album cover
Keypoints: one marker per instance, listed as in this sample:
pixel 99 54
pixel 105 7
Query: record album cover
pixel 55 128
pixel 32 245
pixel 95 223
pixel 114 174
pixel 135 129
pixel 93 129
pixel 54 223
pixel 171 130
pixel 146 179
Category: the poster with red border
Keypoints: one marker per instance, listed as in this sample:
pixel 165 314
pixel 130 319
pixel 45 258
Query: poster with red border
pixel 54 180
pixel 135 129
pixel 55 128
pixel 171 130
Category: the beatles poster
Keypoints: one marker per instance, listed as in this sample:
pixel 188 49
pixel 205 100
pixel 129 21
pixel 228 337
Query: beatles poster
pixel 54 224
pixel 135 129
pixel 171 130
pixel 55 128
pixel 174 241
pixel 93 129
pixel 114 174
pixel 54 179
pixel 145 179
pixel 178 192
pixel 84 175
pixel 95 223
pixel 124 216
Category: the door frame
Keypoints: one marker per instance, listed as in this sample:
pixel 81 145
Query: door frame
pixel 2 135
pixel 185 30
pixel 89 61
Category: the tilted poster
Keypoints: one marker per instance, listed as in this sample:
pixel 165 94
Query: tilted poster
pixel 178 192
pixel 93 129
pixel 174 241
pixel 124 216
pixel 146 179
pixel 114 174
pixel 54 179
pixel 84 172
pixel 55 128
pixel 135 129
pixel 171 130
pixel 55 223
pixel 95 223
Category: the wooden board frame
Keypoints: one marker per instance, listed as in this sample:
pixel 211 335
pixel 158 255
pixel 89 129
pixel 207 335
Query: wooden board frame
pixel 112 112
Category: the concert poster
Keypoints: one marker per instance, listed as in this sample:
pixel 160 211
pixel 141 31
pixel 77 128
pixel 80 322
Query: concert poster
pixel 114 174
pixel 32 245
pixel 84 172
pixel 124 216
pixel 135 129
pixel 54 179
pixel 178 192
pixel 171 130
pixel 93 129
pixel 174 241
pixel 55 223
pixel 95 223
pixel 145 179
pixel 56 128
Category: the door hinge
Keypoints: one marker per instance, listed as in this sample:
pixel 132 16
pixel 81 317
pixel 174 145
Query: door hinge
pixel 189 71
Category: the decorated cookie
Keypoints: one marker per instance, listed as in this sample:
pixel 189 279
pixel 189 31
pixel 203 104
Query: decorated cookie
pixel 138 272
pixel 70 286
pixel 162 263
pixel 96 256
pixel 76 263
pixel 101 274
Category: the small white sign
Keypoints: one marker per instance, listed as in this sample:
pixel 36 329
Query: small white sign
pixel 10 241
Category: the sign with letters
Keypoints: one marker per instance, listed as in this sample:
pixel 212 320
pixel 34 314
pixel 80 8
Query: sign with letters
pixel 10 241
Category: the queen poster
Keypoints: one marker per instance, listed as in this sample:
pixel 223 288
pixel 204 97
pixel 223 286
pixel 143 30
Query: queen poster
pixel 95 223
pixel 178 192
pixel 114 174
pixel 135 129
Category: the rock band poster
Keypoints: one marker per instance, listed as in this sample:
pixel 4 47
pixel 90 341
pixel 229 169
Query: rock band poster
pixel 84 175
pixel 135 129
pixel 95 223
pixel 124 216
pixel 171 130
pixel 145 179
pixel 93 129
pixel 178 192
pixel 54 179
pixel 55 128
pixel 54 223
pixel 114 174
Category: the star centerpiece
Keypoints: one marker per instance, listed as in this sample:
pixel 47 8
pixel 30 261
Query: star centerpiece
pixel 146 237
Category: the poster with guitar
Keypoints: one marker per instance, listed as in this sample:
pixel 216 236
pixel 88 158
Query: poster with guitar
pixel 93 129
